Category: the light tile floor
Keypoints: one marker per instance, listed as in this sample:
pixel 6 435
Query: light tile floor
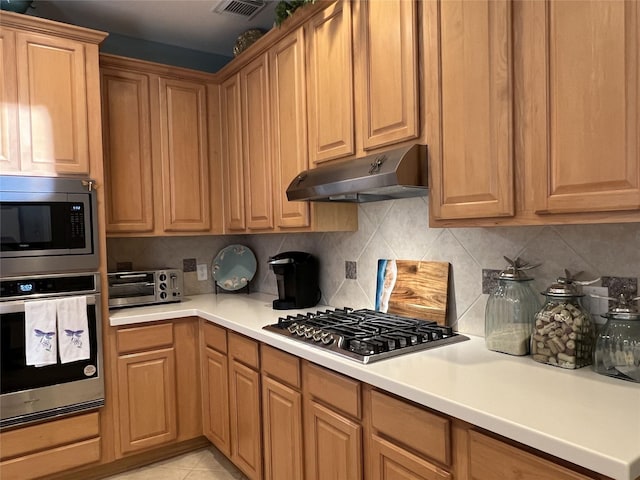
pixel 204 464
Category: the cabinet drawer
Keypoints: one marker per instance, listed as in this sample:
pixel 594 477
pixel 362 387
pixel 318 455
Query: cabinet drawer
pixel 145 338
pixel 244 350
pixel 51 461
pixel 491 459
pixel 215 337
pixel 281 365
pixel 333 389
pixel 416 428
pixel 48 435
pixel 388 457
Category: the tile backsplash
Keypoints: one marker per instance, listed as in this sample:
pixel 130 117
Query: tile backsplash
pixel 399 229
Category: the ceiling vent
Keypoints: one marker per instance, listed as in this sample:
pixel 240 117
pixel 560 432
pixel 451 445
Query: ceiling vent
pixel 240 8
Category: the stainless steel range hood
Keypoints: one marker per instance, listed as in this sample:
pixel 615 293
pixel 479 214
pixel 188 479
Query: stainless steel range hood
pixel 399 173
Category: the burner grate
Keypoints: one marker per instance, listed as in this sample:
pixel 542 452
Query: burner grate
pixel 363 334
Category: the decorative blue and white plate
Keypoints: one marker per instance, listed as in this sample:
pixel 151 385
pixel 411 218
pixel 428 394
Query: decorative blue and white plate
pixel 234 267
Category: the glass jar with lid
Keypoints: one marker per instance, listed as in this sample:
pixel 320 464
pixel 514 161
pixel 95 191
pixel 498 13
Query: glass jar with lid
pixel 563 334
pixel 510 311
pixel 617 352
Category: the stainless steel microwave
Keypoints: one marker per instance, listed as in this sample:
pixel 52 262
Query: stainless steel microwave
pixel 47 225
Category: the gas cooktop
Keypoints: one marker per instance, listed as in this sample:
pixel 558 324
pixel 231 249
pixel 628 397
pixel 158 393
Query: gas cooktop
pixel 365 335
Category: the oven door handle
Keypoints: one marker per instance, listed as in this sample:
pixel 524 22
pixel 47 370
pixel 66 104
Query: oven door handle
pixel 17 306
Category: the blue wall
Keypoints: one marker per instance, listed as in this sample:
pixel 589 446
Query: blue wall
pixel 126 46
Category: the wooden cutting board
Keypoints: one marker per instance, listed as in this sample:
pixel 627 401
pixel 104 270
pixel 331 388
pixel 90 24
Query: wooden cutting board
pixel 413 288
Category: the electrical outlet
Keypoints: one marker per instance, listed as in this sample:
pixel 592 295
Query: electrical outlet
pixel 202 271
pixel 596 306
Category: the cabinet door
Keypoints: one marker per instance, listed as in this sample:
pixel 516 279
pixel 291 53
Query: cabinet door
pixel 256 151
pixel 232 169
pixel 491 459
pixel 469 90
pixel 246 446
pixel 289 120
pixel 126 129
pixel 147 399
pixel 331 110
pixel 333 445
pixel 390 462
pixel 52 95
pixel 9 142
pixel 586 149
pixel 185 159
pixel 387 77
pixel 282 423
pixel 216 400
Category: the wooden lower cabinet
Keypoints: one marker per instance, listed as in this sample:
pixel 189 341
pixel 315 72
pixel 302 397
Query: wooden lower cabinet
pixel 281 415
pixel 51 447
pixel 492 459
pixel 289 419
pixel 282 430
pixel 332 425
pixel 333 444
pixel 158 397
pixel 245 410
pixel 147 387
pixel 391 462
pixel 215 389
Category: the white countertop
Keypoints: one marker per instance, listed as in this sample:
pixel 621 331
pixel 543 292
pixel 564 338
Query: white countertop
pixel 577 415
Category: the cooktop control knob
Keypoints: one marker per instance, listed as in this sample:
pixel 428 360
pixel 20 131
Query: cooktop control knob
pixel 163 295
pixel 326 338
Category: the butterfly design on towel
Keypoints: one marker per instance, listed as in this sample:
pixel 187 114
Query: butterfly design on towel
pixel 45 338
pixel 75 337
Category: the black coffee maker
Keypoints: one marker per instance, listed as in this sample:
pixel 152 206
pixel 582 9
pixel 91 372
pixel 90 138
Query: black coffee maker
pixel 297 277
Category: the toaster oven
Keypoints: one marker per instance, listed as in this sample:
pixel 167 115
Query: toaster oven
pixel 148 287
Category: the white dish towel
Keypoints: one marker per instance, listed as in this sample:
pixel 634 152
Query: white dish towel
pixel 40 332
pixel 73 329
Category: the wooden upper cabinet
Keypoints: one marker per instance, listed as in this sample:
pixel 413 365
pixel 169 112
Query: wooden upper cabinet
pixel 330 81
pixel 470 93
pixel 126 127
pixel 289 120
pixel 387 72
pixel 586 154
pixel 256 145
pixel 184 154
pixel 231 151
pixel 9 143
pixel 157 154
pixel 52 96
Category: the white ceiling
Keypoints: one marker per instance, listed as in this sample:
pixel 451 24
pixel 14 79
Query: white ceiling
pixel 184 23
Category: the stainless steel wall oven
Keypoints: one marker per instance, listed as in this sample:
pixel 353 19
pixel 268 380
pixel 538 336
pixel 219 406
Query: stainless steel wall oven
pixel 30 393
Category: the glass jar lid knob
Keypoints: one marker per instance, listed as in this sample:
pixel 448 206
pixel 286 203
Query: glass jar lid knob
pixel 568 286
pixel 515 270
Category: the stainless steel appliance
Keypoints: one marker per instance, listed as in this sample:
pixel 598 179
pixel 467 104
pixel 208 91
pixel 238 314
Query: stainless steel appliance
pixel 398 173
pixel 127 289
pixel 365 335
pixel 297 279
pixel 47 225
pixel 30 393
